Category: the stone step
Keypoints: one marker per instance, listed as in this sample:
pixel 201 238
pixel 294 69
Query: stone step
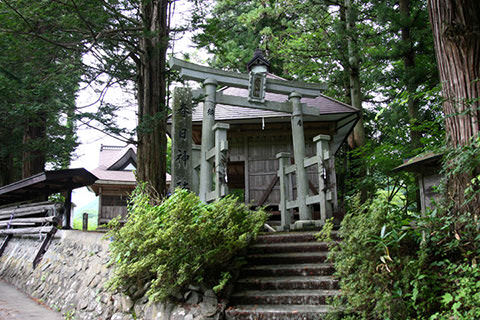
pixel 267 312
pixel 303 269
pixel 282 237
pixel 282 297
pixel 288 247
pixel 287 283
pixel 286 258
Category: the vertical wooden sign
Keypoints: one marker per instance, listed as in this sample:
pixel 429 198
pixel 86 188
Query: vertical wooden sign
pixel 182 139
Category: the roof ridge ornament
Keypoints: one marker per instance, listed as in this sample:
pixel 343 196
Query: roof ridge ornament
pixel 258 60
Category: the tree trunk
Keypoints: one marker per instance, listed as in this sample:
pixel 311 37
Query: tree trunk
pixel 411 84
pixel 354 73
pixel 456 33
pixel 34 135
pixel 410 77
pixel 357 137
pixel 152 108
pixel 7 170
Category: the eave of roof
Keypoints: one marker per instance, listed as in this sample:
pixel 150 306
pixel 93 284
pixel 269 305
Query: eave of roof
pixel 46 183
pixel 415 163
pixel 128 157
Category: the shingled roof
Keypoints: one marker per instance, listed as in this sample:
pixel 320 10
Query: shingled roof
pixel 328 107
pixel 112 163
pixel 330 110
pixel 109 155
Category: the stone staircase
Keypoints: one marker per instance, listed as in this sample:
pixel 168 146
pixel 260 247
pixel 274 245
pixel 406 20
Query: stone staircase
pixel 286 277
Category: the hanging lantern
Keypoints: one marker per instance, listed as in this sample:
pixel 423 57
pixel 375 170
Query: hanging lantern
pixel 258 68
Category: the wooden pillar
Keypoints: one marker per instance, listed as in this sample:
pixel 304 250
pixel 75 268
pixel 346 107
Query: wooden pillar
pixel 100 215
pixel 208 121
pixel 67 224
pixel 196 168
pixel 85 221
pixel 299 156
pixel 285 215
pixel 246 170
pixel 182 139
pixel 221 147
pixel 323 154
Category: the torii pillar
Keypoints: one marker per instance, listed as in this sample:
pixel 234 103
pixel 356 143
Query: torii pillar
pixel 208 138
pixel 299 156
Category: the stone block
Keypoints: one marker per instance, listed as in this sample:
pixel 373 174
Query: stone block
pixel 126 303
pixel 193 297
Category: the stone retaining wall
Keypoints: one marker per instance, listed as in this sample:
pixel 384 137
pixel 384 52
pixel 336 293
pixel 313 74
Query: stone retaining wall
pixel 71 277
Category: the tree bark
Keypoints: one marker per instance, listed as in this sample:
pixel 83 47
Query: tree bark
pixel 410 77
pixel 152 108
pixel 358 135
pixel 456 32
pixel 34 158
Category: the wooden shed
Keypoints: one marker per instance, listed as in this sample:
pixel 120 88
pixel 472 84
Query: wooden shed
pixel 427 167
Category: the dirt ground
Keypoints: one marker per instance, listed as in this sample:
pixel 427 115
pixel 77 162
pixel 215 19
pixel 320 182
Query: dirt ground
pixel 15 305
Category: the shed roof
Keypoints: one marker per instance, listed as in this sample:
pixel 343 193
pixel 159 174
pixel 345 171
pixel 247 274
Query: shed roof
pixel 45 184
pixel 420 162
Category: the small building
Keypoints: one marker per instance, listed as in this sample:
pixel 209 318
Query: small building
pixel 427 167
pixel 116 180
pixel 256 136
pixel 268 120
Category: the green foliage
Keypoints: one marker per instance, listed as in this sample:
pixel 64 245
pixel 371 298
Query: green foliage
pixel 394 264
pixel 464 162
pixel 38 82
pixel 326 233
pixel 463 300
pixel 179 241
pixel 372 260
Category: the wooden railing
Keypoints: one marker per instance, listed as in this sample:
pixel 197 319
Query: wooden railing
pixel 36 218
pixel 323 197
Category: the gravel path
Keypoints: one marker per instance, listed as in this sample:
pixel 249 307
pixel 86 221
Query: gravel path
pixel 15 305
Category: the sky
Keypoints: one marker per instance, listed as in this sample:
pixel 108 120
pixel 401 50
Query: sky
pixel 87 153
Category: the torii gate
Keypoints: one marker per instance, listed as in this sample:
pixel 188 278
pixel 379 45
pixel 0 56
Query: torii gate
pixel 214 144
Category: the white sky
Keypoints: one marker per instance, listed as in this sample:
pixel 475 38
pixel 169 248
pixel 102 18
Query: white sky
pixel 87 153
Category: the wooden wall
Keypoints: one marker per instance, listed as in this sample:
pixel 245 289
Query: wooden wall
pixel 258 150
pixel 113 202
pixel 112 206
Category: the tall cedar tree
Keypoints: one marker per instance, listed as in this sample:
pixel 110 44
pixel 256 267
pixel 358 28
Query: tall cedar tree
pixel 151 86
pixel 38 81
pixel 122 41
pixel 456 31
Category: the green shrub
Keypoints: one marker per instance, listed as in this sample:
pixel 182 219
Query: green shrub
pixel 373 259
pixel 462 301
pixel 180 241
pixel 396 265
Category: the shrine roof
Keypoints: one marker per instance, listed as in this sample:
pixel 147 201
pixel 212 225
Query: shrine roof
pixel 112 163
pixel 326 105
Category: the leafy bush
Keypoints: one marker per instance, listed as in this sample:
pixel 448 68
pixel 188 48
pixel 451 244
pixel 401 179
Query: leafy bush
pixel 180 241
pixel 393 264
pixel 372 260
